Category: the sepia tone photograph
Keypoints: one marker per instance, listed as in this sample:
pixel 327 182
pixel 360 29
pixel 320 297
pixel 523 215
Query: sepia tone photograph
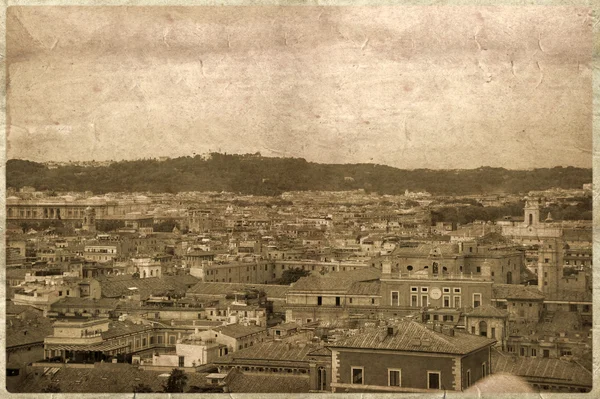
pixel 298 199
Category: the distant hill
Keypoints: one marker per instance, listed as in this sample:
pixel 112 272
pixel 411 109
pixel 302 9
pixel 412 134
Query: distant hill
pixel 253 174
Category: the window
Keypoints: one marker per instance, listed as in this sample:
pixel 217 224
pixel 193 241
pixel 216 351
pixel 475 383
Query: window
pixel 457 290
pixel 372 301
pixel 433 379
pixel 533 352
pixel 424 289
pixel 494 332
pixel 446 290
pixel 424 299
pixel 446 301
pixel 414 302
pixel 478 269
pixel 573 308
pixel 181 361
pixel 414 289
pixel 457 301
pixel 395 298
pixel 476 300
pixel 468 384
pixel 357 375
pixel 350 300
pixel 394 378
pixel 523 351
pixel 338 301
pixel 319 300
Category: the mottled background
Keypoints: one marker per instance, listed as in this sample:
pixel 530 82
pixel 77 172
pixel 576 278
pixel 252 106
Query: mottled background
pixel 411 87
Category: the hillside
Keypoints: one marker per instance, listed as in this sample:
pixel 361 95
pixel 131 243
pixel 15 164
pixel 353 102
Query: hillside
pixel 253 174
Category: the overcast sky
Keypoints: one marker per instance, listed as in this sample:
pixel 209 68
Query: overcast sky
pixel 411 87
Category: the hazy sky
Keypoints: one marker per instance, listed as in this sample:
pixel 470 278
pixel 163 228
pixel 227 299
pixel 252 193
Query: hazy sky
pixel 411 87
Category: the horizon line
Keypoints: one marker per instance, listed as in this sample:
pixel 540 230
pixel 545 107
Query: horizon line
pixel 259 155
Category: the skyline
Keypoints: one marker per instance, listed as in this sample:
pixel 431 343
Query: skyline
pixel 204 155
pixel 330 85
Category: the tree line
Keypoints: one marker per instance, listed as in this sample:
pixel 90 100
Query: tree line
pixel 257 175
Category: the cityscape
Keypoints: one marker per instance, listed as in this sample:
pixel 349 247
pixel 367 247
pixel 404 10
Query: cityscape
pixel 299 200
pixel 304 292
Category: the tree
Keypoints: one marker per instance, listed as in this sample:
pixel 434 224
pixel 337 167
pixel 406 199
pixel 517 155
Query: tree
pixel 52 388
pixel 142 388
pixel 290 276
pixel 176 382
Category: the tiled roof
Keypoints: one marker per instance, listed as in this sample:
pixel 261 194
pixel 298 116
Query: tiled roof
pixel 268 383
pixel 115 287
pixel 273 291
pixel 493 238
pixel 286 326
pixel 74 302
pixel 272 350
pixel 13 309
pixel 415 337
pixel 28 331
pixel 316 283
pixel 238 330
pixel 15 274
pixel 536 368
pixel 571 296
pixel 117 328
pixel 425 250
pixel 487 311
pixel 336 281
pixel 365 288
pixel 108 378
pixel 515 291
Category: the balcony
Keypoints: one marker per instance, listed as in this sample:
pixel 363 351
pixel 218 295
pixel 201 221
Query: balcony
pixel 90 339
pixel 440 276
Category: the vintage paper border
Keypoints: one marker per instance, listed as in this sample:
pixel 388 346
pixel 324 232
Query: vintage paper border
pixel 594 5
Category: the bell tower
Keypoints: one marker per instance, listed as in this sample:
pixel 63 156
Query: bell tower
pixel 89 220
pixel 532 212
pixel 550 262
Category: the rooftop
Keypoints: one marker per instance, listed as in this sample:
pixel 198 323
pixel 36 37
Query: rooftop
pixel 274 351
pixel 109 378
pixel 222 289
pixel 558 370
pixel 243 382
pixel 238 330
pixel 487 311
pixel 118 286
pixel 415 337
pixel 515 291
